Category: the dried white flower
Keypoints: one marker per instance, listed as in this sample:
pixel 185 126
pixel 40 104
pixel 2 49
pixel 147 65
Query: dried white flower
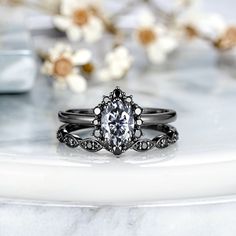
pixel 208 25
pixel 62 63
pixel 118 62
pixel 156 40
pixel 186 3
pixel 227 40
pixel 78 19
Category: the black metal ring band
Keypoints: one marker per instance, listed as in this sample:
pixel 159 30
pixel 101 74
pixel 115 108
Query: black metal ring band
pixel 150 116
pixel 169 135
pixel 118 124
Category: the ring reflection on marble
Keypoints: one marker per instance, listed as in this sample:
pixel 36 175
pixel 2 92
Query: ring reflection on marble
pixel 117 123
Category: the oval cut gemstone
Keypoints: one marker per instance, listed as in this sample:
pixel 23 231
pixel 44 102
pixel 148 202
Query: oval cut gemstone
pixel 117 124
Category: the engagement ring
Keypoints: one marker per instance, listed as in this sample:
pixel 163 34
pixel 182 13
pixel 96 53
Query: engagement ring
pixel 118 125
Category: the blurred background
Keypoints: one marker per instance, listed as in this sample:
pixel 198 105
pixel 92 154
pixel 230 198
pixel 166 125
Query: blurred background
pixel 113 42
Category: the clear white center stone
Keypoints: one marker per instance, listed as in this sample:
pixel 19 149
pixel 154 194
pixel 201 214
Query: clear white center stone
pixel 117 123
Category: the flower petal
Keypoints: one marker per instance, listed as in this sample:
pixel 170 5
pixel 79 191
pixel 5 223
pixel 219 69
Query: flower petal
pixel 110 58
pixel 82 57
pixel 74 33
pixel 126 63
pixel 159 30
pixel 119 57
pixel 59 84
pixel 76 83
pixel 67 7
pixel 93 30
pixel 155 54
pixel 207 24
pixel 167 43
pixel 116 71
pixel 61 22
pixel 121 52
pixel 47 68
pixel 211 26
pixel 146 19
pixel 104 74
pixel 60 49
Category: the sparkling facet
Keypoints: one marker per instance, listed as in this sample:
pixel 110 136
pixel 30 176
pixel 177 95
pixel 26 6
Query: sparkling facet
pixel 117 123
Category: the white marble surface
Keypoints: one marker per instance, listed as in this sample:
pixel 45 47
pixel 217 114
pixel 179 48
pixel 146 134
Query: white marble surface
pixel 201 165
pixel 204 220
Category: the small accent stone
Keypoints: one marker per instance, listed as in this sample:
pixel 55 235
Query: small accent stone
pixel 97 111
pixel 144 145
pixel 163 142
pixel 128 99
pixel 105 99
pixel 139 122
pixel 89 145
pixel 71 141
pixel 97 133
pixel 117 92
pixel 138 133
pixel 138 111
pixel 95 122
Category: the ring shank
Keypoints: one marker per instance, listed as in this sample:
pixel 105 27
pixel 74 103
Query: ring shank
pixel 150 116
pixel 69 134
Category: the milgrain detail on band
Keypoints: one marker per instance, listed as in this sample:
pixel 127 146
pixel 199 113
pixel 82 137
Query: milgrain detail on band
pixel 169 136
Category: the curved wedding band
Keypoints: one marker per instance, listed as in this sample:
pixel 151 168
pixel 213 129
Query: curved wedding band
pixel 150 116
pixel 167 135
pixel 117 125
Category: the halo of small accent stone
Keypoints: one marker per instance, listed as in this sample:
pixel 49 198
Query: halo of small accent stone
pixel 112 107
